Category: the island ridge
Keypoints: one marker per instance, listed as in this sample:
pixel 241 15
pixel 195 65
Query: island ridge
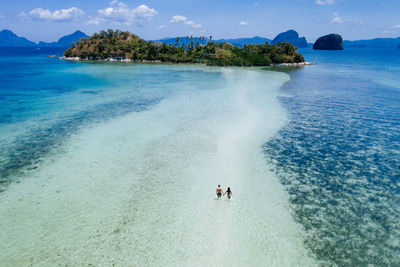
pixel 123 45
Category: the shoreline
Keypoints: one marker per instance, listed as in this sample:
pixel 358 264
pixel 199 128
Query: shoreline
pixel 127 60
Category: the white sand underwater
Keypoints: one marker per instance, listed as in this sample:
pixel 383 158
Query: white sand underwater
pixel 139 190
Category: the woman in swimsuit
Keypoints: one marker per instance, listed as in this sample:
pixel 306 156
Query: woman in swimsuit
pixel 228 192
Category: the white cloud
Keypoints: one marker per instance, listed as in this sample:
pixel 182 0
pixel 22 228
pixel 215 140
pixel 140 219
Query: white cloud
pixel 392 31
pixel 194 25
pixel 184 20
pixel 160 27
pixel 325 2
pixel 56 15
pixel 337 19
pixel 119 13
pixel 95 21
pixel 388 32
pixel 178 19
pixel 244 23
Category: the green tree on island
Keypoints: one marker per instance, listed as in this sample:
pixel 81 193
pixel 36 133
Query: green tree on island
pixel 125 45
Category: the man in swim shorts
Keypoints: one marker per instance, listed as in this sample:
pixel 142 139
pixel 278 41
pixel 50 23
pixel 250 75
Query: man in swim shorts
pixel 219 191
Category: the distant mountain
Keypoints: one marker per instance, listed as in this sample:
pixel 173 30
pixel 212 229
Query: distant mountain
pixel 237 42
pixel 241 41
pixel 300 42
pixel 65 41
pixel 374 43
pixel 290 36
pixel 10 39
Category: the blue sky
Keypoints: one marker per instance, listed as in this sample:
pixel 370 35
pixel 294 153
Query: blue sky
pixel 47 20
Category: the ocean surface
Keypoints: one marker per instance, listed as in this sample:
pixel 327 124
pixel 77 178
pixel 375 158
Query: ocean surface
pixel 117 163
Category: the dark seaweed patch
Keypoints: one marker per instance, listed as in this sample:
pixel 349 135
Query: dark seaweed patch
pixel 28 150
pixel 339 160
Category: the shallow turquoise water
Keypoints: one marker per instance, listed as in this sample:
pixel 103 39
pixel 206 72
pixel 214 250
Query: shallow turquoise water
pixel 117 163
pixel 44 99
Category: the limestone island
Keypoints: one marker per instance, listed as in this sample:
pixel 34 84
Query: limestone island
pixel 118 45
pixel 329 42
pixel 291 36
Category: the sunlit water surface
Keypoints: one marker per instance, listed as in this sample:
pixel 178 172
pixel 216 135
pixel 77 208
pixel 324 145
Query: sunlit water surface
pixel 339 155
pixel 117 163
pixel 108 164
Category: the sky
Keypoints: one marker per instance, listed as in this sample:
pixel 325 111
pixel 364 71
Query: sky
pixel 48 20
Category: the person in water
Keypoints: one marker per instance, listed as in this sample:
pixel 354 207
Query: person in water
pixel 219 191
pixel 228 192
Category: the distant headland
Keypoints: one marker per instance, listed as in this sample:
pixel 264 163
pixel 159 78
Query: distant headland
pixel 125 46
pixel 65 41
pixel 10 39
pixel 292 37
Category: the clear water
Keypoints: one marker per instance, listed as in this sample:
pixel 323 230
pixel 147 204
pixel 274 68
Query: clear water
pixel 108 164
pixel 339 155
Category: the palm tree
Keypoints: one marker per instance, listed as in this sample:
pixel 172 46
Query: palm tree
pixel 201 39
pixel 191 41
pixel 177 41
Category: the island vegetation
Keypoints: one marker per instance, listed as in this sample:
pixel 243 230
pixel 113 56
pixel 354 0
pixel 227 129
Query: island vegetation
pixel 123 45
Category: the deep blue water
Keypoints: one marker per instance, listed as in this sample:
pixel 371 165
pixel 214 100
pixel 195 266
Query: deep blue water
pixel 339 155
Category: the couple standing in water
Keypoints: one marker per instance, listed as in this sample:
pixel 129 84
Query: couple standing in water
pixel 220 192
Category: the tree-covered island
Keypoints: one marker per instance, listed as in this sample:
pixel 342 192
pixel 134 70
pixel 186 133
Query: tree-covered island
pixel 123 45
